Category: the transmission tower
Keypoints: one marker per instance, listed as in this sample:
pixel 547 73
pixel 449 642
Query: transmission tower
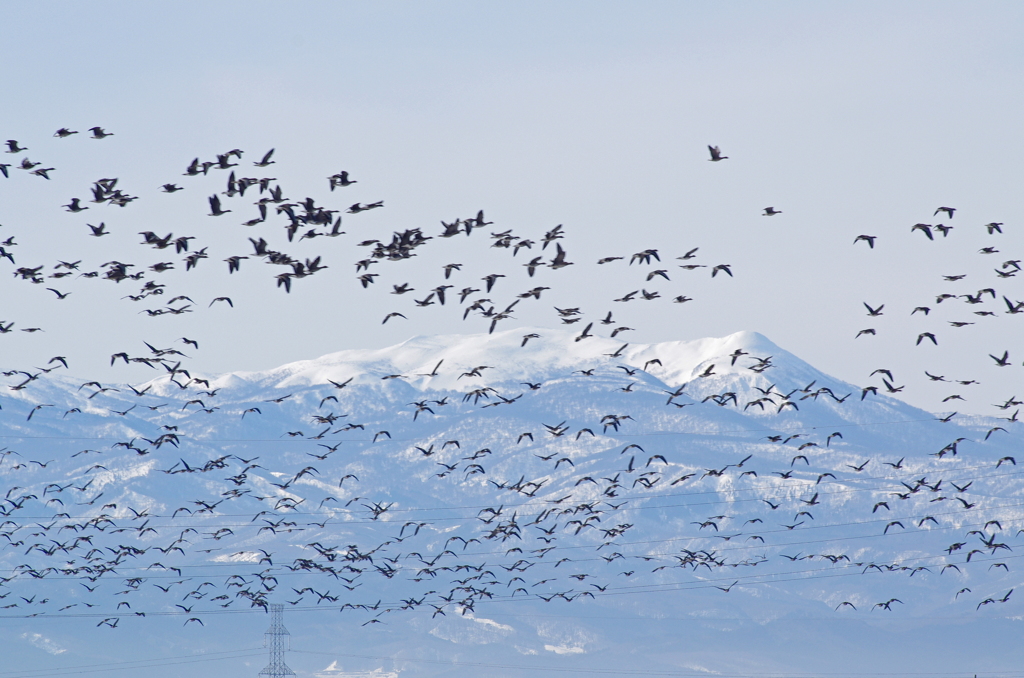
pixel 277 639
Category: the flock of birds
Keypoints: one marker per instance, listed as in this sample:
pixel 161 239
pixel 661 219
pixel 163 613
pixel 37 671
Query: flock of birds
pixel 567 493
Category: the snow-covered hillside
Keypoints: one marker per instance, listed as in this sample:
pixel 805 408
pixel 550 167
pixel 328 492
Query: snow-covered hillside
pixel 583 500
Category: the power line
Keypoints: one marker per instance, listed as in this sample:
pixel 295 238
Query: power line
pixel 541 502
pixel 743 580
pixel 125 666
pixel 668 674
pixel 706 432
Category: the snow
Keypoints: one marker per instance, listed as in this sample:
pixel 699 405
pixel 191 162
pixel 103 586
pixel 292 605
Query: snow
pixel 698 573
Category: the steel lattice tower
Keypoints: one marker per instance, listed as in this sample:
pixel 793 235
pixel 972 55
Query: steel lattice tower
pixel 277 639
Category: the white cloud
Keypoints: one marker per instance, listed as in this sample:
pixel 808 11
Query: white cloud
pixel 43 643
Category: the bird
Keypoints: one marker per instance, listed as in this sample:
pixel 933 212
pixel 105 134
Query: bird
pixel 265 161
pixel 886 604
pixel 340 179
pixel 234 263
pixel 924 228
pixel 215 208
pixel 716 154
pixel 1003 361
pixel 402 289
pixel 491 279
pixel 770 212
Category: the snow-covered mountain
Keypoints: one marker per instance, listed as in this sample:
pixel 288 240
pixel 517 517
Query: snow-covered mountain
pixel 452 495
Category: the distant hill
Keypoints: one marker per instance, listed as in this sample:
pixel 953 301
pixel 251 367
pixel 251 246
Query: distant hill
pixel 453 494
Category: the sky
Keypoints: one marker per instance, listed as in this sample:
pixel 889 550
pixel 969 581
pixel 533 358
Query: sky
pixel 850 119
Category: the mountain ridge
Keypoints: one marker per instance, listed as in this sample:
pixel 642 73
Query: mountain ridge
pixel 616 491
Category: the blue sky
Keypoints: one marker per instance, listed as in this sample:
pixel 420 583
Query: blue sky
pixel 850 118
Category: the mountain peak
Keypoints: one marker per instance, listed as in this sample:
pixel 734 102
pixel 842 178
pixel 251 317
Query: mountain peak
pixel 522 353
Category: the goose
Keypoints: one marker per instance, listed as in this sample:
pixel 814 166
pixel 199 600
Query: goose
pixel 265 161
pixel 716 154
pixel 74 206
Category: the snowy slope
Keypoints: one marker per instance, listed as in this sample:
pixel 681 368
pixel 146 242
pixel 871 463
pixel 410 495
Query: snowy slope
pixel 742 513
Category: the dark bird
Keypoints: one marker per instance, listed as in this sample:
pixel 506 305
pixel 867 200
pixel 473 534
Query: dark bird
pixel 924 228
pixel 215 209
pixel 886 604
pixel 1004 361
pixel 234 263
pixel 265 160
pixel 491 279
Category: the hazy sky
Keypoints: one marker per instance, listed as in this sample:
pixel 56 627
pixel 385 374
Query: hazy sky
pixel 854 118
